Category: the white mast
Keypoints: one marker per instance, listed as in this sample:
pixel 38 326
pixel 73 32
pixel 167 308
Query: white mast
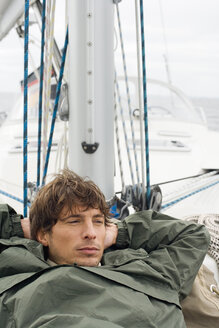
pixel 91 84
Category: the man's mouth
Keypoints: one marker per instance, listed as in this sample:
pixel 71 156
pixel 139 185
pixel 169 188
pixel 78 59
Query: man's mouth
pixel 89 250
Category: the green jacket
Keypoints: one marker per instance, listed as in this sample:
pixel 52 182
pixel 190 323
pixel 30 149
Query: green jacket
pixel 139 284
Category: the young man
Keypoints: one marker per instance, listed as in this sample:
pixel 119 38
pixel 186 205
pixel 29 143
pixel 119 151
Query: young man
pixel 80 270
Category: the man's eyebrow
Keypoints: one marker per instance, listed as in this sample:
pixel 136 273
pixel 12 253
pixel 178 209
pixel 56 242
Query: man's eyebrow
pixel 80 215
pixel 71 216
pixel 98 215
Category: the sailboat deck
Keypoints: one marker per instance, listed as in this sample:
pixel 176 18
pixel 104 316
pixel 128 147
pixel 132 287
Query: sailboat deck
pixel 203 202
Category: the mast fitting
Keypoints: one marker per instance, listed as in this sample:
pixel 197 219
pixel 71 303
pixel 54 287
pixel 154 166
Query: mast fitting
pixel 89 148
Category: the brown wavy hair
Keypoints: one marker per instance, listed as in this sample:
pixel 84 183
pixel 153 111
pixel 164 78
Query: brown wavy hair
pixel 68 190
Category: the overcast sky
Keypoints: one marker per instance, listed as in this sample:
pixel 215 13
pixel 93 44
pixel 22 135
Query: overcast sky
pixel 191 30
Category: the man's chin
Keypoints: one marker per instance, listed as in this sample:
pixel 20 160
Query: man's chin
pixel 90 262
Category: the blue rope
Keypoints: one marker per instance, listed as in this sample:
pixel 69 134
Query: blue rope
pixel 13 197
pixel 145 104
pixel 188 195
pixel 26 31
pixel 58 89
pixel 41 91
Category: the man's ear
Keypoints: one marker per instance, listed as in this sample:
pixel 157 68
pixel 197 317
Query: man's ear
pixel 42 237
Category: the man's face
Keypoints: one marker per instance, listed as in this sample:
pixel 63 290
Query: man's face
pixel 77 237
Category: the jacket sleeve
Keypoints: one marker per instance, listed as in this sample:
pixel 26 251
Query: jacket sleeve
pixel 10 222
pixel 176 248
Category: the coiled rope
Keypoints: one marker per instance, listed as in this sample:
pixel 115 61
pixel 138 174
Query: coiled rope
pixel 41 91
pixel 25 135
pixel 211 221
pixel 58 89
pixel 145 103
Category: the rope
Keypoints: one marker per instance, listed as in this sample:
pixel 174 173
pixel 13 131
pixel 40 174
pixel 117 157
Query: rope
pixel 180 179
pixel 41 92
pixel 211 221
pixel 58 89
pixel 128 94
pixel 13 197
pixel 25 135
pixel 194 183
pixel 118 143
pixel 51 43
pixel 31 59
pixel 145 103
pixel 59 154
pixel 65 145
pixel 188 195
pixel 62 151
pixel 140 104
pixel 48 69
pixel 46 72
pixel 124 130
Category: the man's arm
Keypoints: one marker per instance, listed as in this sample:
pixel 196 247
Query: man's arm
pixel 10 222
pixel 176 248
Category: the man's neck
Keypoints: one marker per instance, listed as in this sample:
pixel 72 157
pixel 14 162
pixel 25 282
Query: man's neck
pixel 51 263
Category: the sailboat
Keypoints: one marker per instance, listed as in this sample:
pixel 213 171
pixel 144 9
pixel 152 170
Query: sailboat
pixel 91 96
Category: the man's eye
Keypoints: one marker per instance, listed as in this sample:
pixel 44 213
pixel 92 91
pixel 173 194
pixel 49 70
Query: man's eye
pixel 74 221
pixel 99 221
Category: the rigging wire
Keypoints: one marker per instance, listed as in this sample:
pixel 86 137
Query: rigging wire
pixel 41 92
pixel 124 130
pixel 65 79
pixel 25 117
pixel 128 93
pixel 166 54
pixel 141 116
pixel 46 78
pixel 51 43
pixel 191 184
pixel 180 179
pixel 145 103
pixel 58 89
pixel 48 68
pixel 188 195
pixel 31 59
pixel 193 188
pixel 118 141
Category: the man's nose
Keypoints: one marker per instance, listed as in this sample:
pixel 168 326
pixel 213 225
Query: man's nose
pixel 89 231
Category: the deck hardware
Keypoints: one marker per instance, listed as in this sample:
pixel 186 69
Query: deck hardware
pixel 89 148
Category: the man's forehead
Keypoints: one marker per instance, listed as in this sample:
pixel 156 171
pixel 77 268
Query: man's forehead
pixel 66 211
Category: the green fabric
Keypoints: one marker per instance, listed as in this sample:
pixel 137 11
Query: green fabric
pixel 139 286
pixel 10 222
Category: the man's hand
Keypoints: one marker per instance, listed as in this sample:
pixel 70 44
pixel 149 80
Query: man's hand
pixel 25 224
pixel 111 235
